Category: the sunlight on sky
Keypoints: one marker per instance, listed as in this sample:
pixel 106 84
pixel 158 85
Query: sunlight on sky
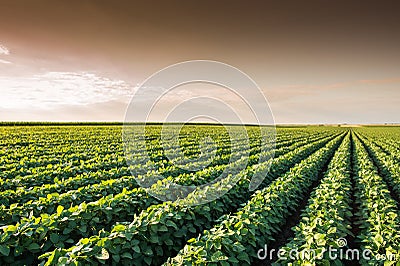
pixel 54 89
pixel 327 62
pixel 207 100
pixel 35 89
pixel 4 61
pixel 4 50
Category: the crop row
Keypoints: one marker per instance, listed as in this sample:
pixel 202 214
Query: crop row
pixel 75 222
pixel 20 194
pixel 387 164
pixel 44 146
pixel 378 214
pixel 23 195
pixel 49 203
pixel 161 230
pixel 326 219
pixel 85 153
pixel 236 239
pixel 123 206
pixel 36 176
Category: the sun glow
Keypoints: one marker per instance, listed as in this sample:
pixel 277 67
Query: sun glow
pixel 54 89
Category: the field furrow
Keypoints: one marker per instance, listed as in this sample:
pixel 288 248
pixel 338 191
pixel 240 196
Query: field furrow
pixel 237 237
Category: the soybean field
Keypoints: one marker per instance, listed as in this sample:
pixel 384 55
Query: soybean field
pixel 331 197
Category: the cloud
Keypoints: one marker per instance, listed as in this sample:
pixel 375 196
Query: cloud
pixel 4 61
pixel 106 111
pixel 54 89
pixel 4 50
pixel 71 96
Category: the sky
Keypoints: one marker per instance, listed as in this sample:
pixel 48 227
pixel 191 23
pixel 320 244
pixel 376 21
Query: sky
pixel 315 61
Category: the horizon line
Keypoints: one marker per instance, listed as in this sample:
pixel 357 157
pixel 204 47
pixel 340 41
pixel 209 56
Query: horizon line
pixel 16 123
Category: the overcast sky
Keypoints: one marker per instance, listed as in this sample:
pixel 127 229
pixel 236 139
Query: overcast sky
pixel 315 61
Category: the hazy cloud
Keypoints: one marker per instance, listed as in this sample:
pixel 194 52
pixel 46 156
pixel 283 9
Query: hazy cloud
pixel 106 111
pixel 4 50
pixel 62 96
pixel 59 89
pixel 4 61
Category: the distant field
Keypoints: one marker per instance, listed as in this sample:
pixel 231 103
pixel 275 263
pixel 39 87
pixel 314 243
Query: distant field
pixel 68 198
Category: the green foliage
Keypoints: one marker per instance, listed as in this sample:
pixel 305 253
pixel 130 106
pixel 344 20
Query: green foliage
pixel 68 197
pixel 379 215
pixel 327 215
pixel 239 236
pixel 163 229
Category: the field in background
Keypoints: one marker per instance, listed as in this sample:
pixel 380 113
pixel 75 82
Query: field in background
pixel 68 198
